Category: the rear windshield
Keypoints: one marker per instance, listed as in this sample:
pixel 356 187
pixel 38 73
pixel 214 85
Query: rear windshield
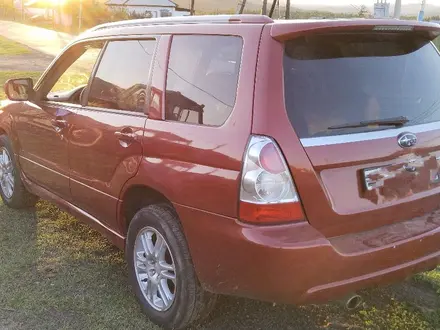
pixel 339 79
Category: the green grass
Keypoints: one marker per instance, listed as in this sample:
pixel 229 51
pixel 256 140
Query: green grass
pixel 432 278
pixel 394 316
pixel 5 75
pixel 9 47
pixel 57 273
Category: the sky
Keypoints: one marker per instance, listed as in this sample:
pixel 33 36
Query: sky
pixel 354 2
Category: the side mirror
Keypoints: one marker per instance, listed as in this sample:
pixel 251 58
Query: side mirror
pixel 19 89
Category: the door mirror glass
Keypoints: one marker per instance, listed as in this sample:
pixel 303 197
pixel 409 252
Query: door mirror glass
pixel 19 89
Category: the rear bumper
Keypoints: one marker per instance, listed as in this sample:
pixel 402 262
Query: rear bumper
pixel 296 264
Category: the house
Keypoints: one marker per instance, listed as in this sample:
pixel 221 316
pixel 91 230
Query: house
pixel 381 9
pixel 38 10
pixel 148 8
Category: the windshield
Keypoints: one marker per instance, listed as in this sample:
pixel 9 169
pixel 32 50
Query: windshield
pixel 339 79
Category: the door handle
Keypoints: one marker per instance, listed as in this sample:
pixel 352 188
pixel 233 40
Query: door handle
pixel 125 136
pixel 59 124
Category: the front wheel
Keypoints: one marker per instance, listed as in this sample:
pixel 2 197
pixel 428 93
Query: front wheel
pixel 161 271
pixel 12 190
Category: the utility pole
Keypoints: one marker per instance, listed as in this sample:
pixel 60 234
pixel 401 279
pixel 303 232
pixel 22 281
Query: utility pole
pixel 287 9
pixel 240 7
pixel 80 16
pixel 422 11
pixel 192 8
pixel 22 10
pixel 397 9
pixel 264 10
pixel 279 9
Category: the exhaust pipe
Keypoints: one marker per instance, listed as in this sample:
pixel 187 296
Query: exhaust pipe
pixel 353 302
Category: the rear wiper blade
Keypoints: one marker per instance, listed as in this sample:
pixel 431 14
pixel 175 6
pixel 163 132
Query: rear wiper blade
pixel 396 121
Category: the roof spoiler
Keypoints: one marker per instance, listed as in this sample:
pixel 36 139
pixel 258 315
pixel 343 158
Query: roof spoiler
pixel 296 28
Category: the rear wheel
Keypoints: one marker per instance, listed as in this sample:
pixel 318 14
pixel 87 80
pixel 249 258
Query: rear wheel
pixel 161 270
pixel 12 190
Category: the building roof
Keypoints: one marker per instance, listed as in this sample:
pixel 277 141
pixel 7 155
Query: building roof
pixel 146 3
pixel 116 2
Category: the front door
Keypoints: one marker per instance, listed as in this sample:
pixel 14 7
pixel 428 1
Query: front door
pixel 43 127
pixel 105 138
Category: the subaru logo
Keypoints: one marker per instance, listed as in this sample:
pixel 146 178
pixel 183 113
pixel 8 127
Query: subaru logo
pixel 407 140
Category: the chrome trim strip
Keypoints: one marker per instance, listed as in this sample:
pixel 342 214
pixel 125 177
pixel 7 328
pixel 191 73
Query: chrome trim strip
pixel 92 218
pixel 367 136
pixel 75 181
pixel 94 189
pixel 45 167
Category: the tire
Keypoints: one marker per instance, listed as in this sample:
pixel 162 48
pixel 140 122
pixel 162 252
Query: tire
pixel 19 197
pixel 190 302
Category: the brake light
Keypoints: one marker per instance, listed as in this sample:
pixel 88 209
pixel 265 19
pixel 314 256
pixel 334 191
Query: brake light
pixel 267 193
pixel 394 28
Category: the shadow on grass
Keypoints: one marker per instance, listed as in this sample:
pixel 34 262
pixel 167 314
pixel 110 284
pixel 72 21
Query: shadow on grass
pixel 58 273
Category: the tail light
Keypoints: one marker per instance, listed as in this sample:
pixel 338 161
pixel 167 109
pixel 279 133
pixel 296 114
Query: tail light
pixel 267 193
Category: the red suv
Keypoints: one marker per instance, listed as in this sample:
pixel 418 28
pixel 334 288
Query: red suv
pixel 293 161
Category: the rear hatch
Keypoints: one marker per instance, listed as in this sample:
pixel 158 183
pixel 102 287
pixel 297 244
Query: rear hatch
pixel 365 103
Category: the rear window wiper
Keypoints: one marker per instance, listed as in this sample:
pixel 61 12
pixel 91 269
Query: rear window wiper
pixel 396 121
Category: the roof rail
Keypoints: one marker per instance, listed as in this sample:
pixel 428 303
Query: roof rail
pixel 206 19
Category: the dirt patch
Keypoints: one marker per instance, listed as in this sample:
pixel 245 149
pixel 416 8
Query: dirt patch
pixel 33 61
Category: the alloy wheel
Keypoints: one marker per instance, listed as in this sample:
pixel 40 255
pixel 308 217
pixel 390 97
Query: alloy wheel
pixel 6 173
pixel 155 269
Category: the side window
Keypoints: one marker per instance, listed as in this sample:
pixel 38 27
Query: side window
pixel 79 62
pixel 122 77
pixel 202 78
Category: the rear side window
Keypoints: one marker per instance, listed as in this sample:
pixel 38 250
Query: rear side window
pixel 202 78
pixel 339 80
pixel 122 77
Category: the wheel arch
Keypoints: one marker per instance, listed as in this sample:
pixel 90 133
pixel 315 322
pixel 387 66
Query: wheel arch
pixel 7 128
pixel 3 126
pixel 134 198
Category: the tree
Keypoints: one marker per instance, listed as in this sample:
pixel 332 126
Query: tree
pixel 287 9
pixel 241 6
pixel 363 11
pixel 264 10
pixel 192 7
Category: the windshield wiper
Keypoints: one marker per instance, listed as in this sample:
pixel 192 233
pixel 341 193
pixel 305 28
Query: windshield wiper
pixel 396 121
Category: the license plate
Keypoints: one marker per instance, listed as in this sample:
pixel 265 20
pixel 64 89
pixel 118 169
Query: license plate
pixel 421 173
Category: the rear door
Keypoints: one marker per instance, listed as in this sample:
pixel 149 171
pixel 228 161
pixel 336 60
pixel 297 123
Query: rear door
pixel 365 106
pixel 105 146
